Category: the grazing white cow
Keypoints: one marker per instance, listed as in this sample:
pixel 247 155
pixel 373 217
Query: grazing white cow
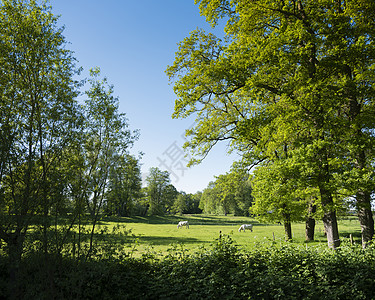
pixel 246 226
pixel 183 223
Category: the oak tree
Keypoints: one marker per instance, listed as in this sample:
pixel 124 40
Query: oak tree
pixel 293 75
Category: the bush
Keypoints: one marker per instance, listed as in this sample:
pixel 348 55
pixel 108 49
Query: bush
pixel 220 272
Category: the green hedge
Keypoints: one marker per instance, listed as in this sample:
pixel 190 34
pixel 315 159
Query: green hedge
pixel 222 272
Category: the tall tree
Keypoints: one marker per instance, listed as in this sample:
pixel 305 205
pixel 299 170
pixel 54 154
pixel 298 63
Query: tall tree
pixel 170 195
pixel 39 116
pixel 107 139
pixel 209 202
pixel 234 190
pixel 187 203
pixel 125 184
pixel 293 75
pixel 159 191
pixel 180 205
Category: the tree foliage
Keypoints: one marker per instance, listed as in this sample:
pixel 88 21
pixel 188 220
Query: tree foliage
pixel 229 193
pixel 125 184
pixel 56 154
pixel 107 138
pixel 289 80
pixel 39 115
pixel 160 192
pixel 187 203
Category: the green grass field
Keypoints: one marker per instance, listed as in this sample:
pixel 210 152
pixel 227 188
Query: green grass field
pixel 158 234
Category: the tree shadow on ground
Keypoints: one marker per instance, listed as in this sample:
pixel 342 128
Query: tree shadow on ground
pixel 158 240
pixel 193 220
pixel 145 220
pixel 344 235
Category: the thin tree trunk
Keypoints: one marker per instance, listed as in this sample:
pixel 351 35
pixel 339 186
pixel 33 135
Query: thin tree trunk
pixel 44 197
pixel 95 220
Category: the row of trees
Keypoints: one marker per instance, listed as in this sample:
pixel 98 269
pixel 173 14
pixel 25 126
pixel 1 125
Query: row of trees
pixel 291 87
pixel 126 196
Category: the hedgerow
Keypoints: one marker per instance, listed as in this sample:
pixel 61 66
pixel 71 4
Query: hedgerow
pixel 221 272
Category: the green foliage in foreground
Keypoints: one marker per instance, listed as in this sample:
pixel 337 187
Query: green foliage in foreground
pixel 221 272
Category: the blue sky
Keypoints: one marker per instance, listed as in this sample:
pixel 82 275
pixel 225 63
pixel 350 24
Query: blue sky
pixel 133 42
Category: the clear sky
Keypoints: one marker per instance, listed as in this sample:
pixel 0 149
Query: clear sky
pixel 133 42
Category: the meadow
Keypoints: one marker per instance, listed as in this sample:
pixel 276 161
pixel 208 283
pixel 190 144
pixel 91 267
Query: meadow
pixel 159 234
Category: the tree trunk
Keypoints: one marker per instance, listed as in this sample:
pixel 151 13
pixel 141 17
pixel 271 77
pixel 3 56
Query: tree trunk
pixel 362 162
pixel 288 230
pixel 329 219
pixel 310 229
pixel 331 229
pixel 365 217
pixel 287 227
pixel 310 222
pixel 363 198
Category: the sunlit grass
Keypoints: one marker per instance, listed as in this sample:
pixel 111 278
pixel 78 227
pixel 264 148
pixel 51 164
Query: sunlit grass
pixel 160 234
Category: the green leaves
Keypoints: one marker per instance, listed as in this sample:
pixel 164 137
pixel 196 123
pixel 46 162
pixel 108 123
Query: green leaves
pixel 220 271
pixel 290 81
pixel 160 192
pixel 229 193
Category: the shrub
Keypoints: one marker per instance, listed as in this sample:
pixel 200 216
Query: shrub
pixel 220 272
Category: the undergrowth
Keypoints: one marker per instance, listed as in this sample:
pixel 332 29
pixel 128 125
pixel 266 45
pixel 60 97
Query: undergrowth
pixel 221 271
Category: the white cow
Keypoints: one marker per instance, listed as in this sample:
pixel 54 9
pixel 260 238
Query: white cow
pixel 183 223
pixel 246 226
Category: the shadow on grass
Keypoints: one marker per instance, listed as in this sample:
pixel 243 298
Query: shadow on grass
pixel 193 220
pixel 356 235
pixel 344 235
pixel 145 220
pixel 158 240
pixel 167 219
